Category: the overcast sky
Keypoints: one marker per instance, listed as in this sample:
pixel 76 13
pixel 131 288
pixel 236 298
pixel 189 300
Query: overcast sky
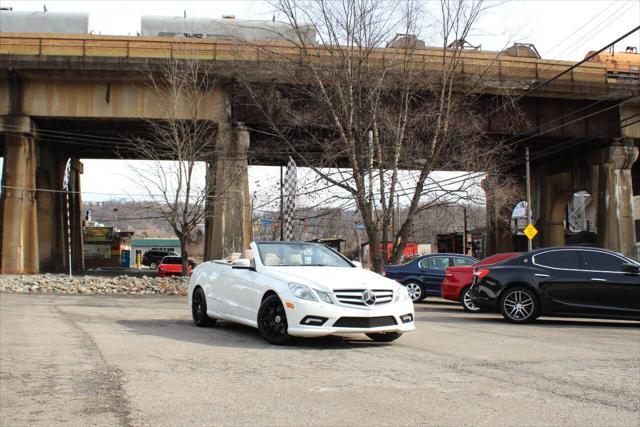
pixel 559 30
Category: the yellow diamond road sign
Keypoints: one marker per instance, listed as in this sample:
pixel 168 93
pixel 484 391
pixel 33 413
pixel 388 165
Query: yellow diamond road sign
pixel 530 231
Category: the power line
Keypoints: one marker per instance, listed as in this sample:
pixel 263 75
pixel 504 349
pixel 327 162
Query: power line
pixel 604 24
pixel 577 64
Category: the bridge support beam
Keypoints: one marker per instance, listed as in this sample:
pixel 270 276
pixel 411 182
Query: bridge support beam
pixel 50 211
pixel 498 216
pixel 614 193
pixel 19 206
pixel 75 213
pixel 228 222
pixel 555 192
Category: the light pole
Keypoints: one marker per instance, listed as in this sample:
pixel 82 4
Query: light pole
pixel 115 219
pixel 528 169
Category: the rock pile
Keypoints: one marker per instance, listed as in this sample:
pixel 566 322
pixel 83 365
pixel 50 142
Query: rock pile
pixel 91 285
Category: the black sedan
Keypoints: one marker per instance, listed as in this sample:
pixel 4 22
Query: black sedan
pixel 566 281
pixel 424 275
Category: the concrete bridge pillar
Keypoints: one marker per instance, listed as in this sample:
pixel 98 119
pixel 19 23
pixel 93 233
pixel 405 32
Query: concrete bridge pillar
pixel 498 237
pixel 19 206
pixel 48 183
pixel 228 222
pixel 612 183
pixel 75 210
pixel 555 192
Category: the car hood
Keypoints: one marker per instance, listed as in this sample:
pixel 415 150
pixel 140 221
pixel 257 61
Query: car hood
pixel 332 278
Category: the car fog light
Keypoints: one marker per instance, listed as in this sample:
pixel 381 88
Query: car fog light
pixel 406 318
pixel 313 320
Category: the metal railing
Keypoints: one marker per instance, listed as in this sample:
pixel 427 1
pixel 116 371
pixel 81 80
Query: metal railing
pixel 472 62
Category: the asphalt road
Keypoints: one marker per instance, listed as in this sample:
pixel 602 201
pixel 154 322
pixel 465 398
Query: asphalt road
pixel 139 361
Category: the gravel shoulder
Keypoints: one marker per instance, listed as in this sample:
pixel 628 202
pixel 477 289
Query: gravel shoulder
pixel 121 360
pixel 93 285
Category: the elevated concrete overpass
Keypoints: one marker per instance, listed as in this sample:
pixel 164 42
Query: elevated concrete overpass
pixel 78 96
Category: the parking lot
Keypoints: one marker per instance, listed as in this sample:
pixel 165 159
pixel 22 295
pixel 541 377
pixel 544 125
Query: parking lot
pixel 139 361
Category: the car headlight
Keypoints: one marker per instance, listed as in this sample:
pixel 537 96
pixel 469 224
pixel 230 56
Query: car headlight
pixel 402 294
pixel 302 291
pixel 324 296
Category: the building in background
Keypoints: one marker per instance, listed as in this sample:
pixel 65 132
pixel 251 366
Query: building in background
pixel 410 251
pixel 106 248
pixel 140 246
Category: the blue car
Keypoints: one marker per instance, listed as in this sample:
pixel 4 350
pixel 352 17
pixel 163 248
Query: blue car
pixel 423 276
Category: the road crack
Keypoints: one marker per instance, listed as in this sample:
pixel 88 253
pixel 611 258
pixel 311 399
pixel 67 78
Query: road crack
pixel 102 385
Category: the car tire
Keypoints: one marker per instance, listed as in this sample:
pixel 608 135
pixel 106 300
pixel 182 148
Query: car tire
pixel 153 265
pixel 467 304
pixel 519 305
pixel 272 321
pixel 199 309
pixel 416 290
pixel 384 336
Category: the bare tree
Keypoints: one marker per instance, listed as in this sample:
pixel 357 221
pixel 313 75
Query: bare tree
pixel 178 143
pixel 359 111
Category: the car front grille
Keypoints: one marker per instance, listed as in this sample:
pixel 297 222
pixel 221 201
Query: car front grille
pixel 354 296
pixel 365 322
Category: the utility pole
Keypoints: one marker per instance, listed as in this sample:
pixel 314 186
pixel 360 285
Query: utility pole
pixel 528 168
pixel 398 212
pixel 357 235
pixel 115 219
pixel 281 206
pixel 393 221
pixel 464 240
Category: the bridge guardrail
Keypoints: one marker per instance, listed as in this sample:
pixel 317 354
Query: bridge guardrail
pixel 88 46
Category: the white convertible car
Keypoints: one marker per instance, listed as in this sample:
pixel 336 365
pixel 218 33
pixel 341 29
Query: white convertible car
pixel 299 289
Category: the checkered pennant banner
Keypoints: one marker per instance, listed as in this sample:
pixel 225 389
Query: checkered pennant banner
pixel 290 183
pixel 67 176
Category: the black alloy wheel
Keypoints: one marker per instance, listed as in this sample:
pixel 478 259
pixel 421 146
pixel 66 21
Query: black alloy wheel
pixel 415 290
pixel 384 336
pixel 272 321
pixel 519 305
pixel 199 309
pixel 467 304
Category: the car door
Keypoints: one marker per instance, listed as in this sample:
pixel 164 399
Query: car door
pixel 216 279
pixel 432 270
pixel 609 290
pixel 560 280
pixel 243 289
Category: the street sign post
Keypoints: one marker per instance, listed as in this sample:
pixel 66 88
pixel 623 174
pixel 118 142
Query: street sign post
pixel 530 231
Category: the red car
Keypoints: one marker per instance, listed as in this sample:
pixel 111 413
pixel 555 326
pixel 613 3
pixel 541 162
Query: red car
pixel 457 280
pixel 172 266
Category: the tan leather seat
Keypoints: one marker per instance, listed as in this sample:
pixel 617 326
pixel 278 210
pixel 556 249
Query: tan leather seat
pixel 271 259
pixel 295 259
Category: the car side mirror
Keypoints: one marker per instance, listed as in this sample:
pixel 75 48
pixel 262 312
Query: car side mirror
pixel 242 264
pixel 357 264
pixel 631 268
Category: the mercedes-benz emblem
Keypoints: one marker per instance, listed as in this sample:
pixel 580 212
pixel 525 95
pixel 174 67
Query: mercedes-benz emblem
pixel 368 297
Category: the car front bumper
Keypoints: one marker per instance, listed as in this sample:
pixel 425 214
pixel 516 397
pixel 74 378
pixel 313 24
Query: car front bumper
pixel 342 319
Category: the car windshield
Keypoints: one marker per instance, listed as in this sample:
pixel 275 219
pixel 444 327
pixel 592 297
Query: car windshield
pixel 299 254
pixel 172 260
